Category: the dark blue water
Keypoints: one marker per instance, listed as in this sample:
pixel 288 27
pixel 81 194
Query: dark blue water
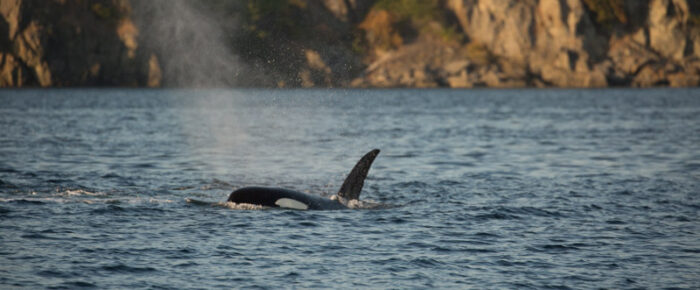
pixel 485 188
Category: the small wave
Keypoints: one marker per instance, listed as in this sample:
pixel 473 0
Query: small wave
pixel 624 192
pixel 109 209
pixel 411 184
pixel 62 199
pixel 615 222
pixel 476 250
pixel 121 268
pixel 186 265
pixel 517 213
pixel 691 166
pixel 496 216
pixel 454 163
pixel 448 182
pixel 139 208
pixel 111 175
pixel 549 248
pixel 229 205
pixel 489 235
pixel 80 192
pixel 6 185
pixel 37 236
pixel 8 170
pixel 134 201
pixel 130 201
pixel 217 184
pixel 603 158
pixel 199 202
pixel 425 262
pixel 405 155
pixel 291 275
pixel 146 165
pixel 361 204
pixel 60 181
pixel 78 284
pixel 677 218
pixel 475 154
pixel 538 212
pixel 36 201
pixel 157 200
pixel 241 206
pixel 52 273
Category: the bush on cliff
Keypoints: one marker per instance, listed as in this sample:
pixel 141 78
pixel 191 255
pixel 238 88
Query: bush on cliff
pixel 607 12
pixel 391 23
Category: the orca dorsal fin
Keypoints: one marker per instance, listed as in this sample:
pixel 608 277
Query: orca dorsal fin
pixel 352 187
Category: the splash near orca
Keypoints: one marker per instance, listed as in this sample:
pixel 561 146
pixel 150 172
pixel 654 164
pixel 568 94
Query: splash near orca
pixel 285 198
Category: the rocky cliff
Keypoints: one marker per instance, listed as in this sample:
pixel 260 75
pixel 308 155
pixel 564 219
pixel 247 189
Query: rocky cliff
pixel 350 43
pixel 72 43
pixel 560 43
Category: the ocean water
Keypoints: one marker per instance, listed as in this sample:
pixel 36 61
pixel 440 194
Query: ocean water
pixel 564 189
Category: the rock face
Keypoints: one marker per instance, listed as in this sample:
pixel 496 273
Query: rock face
pixel 71 43
pixel 350 43
pixel 21 54
pixel 667 19
pixel 566 45
pixel 561 45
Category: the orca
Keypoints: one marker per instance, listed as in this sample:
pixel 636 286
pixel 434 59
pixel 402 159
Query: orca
pixel 286 198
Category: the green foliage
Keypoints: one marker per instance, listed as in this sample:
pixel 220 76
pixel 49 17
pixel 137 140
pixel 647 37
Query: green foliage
pixel 357 46
pixel 410 17
pixel 479 53
pixel 269 17
pixel 694 19
pixel 418 12
pixel 105 12
pixel 451 33
pixel 608 12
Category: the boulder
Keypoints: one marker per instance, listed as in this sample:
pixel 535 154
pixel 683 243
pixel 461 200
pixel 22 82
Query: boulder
pixel 504 26
pixel 461 80
pixel 650 75
pixel 629 53
pixel 554 39
pixel 347 10
pixel 667 19
pixel 682 79
pixel 70 43
pixel 695 38
pixel 455 66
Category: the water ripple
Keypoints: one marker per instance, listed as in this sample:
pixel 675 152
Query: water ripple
pixel 486 189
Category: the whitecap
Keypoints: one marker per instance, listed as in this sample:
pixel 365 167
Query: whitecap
pixel 241 206
pixel 228 204
pixel 80 192
pixel 358 204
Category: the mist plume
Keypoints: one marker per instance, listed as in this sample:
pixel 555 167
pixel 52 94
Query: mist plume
pixel 192 42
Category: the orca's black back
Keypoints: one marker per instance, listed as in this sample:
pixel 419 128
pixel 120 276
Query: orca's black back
pixel 267 196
